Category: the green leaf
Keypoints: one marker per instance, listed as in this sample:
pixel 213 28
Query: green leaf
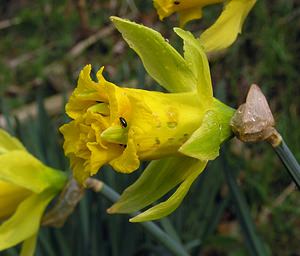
pixel 204 143
pixel 157 179
pixel 255 245
pixel 165 208
pixel 22 169
pixel 26 220
pixel 9 143
pixel 162 62
pixel 198 63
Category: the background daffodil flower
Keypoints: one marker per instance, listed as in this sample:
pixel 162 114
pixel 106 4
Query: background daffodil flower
pixel 26 188
pixel 121 126
pixel 223 32
pixel 187 9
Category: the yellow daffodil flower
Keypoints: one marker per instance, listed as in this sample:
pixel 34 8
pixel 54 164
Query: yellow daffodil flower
pixel 226 28
pixel 182 129
pixel 26 188
pixel 122 126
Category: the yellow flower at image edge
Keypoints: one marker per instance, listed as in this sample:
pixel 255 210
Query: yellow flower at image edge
pixel 26 188
pixel 226 28
pixel 121 126
pixel 187 9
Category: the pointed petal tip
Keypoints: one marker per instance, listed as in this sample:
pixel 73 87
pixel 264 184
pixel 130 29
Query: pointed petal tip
pixel 116 19
pixel 110 210
pixel 134 219
pixel 113 18
pixel 177 30
pixel 116 209
pixel 113 209
pixel 142 217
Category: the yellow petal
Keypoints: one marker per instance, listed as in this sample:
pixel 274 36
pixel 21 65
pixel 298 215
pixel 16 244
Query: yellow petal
pixel 188 9
pixel 165 208
pixel 26 220
pixel 187 15
pixel 118 102
pixel 128 161
pixel 10 197
pixel 227 27
pixel 205 142
pixel 8 143
pixel 159 58
pixel 164 8
pixel 86 94
pixel 22 169
pixel 101 156
pixel 198 62
pixel 157 179
pixel 78 168
pixel 162 122
pixel 71 134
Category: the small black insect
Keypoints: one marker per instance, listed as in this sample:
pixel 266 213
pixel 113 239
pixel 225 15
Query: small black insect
pixel 176 2
pixel 123 122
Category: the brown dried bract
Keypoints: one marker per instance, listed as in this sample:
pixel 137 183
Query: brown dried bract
pixel 65 205
pixel 253 121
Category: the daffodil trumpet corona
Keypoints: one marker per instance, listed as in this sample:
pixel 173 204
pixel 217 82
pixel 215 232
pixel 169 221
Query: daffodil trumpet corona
pixel 26 188
pixel 226 28
pixel 180 130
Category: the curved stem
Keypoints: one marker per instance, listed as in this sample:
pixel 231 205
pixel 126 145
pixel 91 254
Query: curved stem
pixel 174 246
pixel 289 161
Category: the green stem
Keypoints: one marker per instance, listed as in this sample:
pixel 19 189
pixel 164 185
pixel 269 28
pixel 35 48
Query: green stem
pixel 175 247
pixel 289 161
pixel 169 229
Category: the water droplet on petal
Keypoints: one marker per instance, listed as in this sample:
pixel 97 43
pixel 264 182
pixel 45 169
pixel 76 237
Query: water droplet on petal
pixel 172 124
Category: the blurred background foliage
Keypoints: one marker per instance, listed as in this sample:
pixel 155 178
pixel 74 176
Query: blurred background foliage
pixel 43 46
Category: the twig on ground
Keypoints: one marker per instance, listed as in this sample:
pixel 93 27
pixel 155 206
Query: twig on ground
pixel 265 213
pixel 10 22
pixel 84 44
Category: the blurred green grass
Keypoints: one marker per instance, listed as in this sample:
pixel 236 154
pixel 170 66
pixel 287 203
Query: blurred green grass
pixel 36 63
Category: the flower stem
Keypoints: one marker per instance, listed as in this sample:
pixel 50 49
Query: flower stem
pixel 289 161
pixel 174 246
